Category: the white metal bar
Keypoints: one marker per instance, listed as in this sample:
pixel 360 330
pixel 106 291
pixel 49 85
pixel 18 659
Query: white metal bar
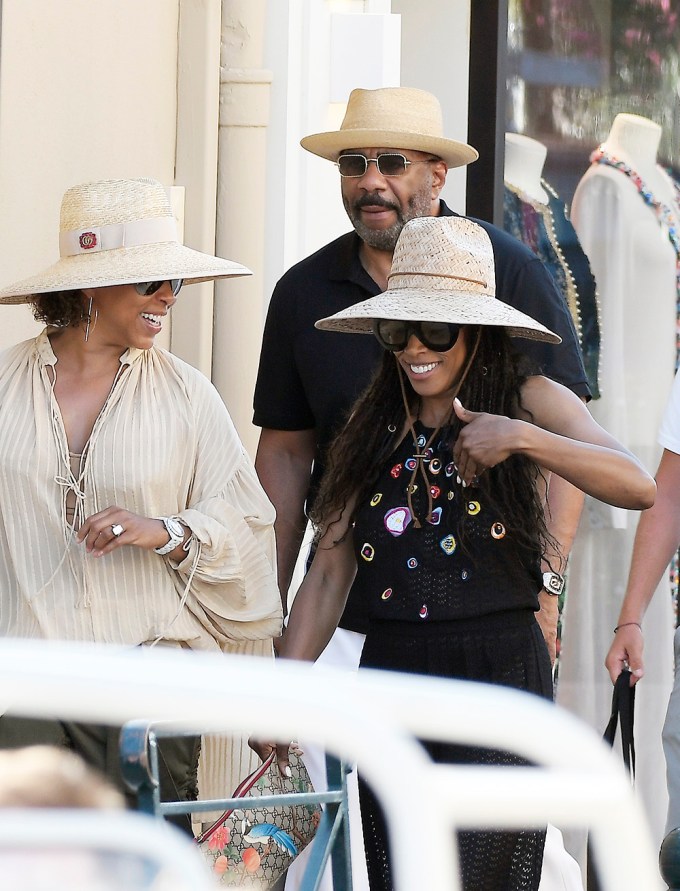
pixel 371 719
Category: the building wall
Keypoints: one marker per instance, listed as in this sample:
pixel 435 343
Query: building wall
pixel 214 96
pixel 87 91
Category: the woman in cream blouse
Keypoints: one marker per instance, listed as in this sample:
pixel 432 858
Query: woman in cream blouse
pixel 132 514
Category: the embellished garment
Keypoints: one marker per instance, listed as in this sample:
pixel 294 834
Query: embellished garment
pixel 449 595
pixel 667 218
pixel 548 231
pixel 461 563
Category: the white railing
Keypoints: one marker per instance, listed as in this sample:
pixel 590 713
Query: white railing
pixel 372 718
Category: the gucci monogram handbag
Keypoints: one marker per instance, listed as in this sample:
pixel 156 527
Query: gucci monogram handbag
pixel 251 847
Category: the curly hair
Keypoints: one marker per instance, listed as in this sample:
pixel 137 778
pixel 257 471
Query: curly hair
pixel 376 422
pixel 60 309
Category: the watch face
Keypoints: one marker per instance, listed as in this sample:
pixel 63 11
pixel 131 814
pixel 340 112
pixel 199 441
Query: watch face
pixel 174 527
pixel 552 582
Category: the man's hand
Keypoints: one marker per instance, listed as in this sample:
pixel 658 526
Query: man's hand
pixel 626 652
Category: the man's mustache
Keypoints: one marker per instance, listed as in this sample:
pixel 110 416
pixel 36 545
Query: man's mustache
pixel 374 200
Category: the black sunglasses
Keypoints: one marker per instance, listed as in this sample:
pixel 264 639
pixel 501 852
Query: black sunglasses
pixel 388 164
pixel 394 335
pixel 145 289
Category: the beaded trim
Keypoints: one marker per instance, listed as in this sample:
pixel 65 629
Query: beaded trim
pixel 571 294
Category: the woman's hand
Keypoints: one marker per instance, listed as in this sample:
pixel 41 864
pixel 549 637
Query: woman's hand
pixel 114 527
pixel 264 748
pixel 483 442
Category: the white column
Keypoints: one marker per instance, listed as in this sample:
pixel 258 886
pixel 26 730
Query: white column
pixel 241 206
pixel 198 95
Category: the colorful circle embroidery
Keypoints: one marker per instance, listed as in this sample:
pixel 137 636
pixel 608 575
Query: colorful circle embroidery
pixel 424 611
pixel 386 594
pixel 498 530
pixel 411 563
pixel 448 544
pixel 450 496
pixel 435 517
pixel 465 575
pixel 473 508
pixel 420 442
pixel 368 552
pixel 450 469
pixel 435 465
pixel 376 499
pixel 410 463
pixel 411 488
pixel 396 470
pixel 428 453
pixel 435 491
pixel 396 520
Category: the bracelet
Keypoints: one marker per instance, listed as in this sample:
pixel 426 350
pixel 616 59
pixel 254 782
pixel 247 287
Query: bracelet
pixel 623 625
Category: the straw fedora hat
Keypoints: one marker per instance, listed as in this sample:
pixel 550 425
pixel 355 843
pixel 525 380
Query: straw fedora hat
pixel 118 232
pixel 392 118
pixel 442 271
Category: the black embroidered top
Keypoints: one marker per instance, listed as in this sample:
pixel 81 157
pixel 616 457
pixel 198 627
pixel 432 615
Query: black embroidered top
pixel 461 562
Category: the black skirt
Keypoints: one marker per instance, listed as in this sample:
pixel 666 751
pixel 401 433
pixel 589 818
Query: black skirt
pixel 506 649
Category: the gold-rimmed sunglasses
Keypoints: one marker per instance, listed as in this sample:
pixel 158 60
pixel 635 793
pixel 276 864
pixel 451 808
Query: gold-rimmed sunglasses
pixel 388 164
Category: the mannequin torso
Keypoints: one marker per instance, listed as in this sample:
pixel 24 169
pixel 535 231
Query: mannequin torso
pixel 635 141
pixel 524 160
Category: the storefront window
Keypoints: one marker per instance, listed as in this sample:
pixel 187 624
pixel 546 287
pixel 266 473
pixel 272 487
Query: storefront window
pixel 584 74
pixel 573 65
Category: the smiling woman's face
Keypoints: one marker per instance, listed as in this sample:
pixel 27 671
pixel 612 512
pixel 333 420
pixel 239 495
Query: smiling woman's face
pixel 433 374
pixel 125 318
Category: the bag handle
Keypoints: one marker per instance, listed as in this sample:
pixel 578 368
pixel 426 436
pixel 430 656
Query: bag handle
pixel 239 792
pixel 623 714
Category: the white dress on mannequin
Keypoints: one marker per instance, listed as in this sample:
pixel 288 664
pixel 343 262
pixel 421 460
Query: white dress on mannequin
pixel 634 264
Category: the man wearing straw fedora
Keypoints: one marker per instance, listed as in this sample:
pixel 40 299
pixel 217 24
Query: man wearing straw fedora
pixel 131 514
pixel 392 158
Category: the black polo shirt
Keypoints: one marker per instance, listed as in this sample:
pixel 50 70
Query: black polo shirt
pixel 309 379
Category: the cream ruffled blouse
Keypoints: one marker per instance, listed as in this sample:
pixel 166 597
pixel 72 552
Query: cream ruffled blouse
pixel 163 445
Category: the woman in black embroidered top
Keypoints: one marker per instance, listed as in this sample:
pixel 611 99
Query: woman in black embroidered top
pixel 434 498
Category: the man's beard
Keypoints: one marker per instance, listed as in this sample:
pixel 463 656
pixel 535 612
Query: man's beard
pixel 419 205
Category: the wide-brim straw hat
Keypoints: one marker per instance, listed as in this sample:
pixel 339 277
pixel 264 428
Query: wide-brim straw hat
pixel 119 232
pixel 442 271
pixel 391 118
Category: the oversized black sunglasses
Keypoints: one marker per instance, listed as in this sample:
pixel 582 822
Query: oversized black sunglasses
pixel 388 164
pixel 145 289
pixel 394 335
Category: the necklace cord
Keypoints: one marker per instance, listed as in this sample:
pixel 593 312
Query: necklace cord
pixel 421 453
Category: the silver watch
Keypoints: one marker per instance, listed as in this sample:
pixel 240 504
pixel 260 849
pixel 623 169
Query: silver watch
pixel 553 582
pixel 175 530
